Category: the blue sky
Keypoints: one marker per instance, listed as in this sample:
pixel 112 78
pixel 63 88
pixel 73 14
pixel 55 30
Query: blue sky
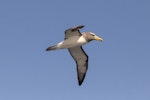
pixel 119 67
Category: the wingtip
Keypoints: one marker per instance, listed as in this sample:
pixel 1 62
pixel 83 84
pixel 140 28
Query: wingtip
pixel 80 83
pixel 81 26
pixel 47 49
pixel 51 48
pixel 77 27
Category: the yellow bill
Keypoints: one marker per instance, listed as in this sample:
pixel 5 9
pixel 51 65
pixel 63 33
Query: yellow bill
pixel 98 38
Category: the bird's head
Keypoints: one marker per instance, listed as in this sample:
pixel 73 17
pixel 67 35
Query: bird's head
pixel 91 36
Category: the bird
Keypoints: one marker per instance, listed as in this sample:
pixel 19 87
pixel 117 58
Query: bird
pixel 73 41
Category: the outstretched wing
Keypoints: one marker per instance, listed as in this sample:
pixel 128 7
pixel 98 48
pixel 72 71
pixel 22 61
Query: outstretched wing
pixel 73 31
pixel 81 60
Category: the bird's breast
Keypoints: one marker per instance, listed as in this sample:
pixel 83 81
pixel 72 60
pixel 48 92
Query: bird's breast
pixel 81 40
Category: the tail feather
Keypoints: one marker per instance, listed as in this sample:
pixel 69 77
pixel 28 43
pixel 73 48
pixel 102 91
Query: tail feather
pixel 51 48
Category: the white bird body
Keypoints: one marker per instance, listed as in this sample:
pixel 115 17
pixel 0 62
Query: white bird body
pixel 71 42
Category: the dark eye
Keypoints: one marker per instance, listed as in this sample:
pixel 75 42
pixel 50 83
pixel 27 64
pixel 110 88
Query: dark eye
pixel 92 34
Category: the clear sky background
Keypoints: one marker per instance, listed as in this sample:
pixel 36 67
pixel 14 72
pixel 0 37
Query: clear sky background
pixel 119 67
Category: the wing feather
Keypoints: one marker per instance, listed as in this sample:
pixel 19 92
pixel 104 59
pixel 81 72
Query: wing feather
pixel 73 31
pixel 81 60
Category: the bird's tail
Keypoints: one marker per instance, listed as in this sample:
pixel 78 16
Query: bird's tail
pixel 52 48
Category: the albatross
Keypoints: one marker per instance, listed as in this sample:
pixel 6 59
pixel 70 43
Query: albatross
pixel 73 41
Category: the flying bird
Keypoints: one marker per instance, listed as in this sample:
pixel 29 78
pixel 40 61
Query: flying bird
pixel 73 41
